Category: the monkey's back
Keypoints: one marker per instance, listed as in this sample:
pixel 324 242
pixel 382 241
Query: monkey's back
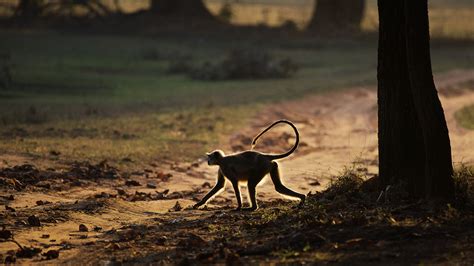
pixel 246 164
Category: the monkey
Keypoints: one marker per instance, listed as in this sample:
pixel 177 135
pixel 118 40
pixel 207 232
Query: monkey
pixel 250 166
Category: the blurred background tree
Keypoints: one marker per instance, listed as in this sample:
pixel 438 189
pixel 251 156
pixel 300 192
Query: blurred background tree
pixel 337 15
pixel 182 8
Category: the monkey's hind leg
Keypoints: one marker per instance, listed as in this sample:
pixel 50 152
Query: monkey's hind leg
pixel 280 188
pixel 219 185
pixel 252 187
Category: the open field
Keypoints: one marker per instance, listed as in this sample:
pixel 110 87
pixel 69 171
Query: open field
pixel 72 93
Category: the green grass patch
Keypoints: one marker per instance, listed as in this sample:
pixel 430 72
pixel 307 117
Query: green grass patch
pixel 128 140
pixel 64 74
pixel 465 117
pixel 108 97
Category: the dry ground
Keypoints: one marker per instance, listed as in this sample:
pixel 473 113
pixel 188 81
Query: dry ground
pixel 141 222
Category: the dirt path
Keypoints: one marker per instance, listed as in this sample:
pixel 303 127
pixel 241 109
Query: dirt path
pixel 337 130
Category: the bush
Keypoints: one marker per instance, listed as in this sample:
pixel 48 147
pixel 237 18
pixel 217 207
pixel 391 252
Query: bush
pixel 347 185
pixel 245 64
pixel 159 55
pixel 464 186
pixel 180 66
pixel 226 13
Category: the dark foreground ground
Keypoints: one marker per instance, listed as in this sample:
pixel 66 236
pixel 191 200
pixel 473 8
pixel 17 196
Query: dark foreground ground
pixel 347 223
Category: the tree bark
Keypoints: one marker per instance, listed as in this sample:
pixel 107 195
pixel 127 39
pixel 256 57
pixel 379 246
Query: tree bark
pixel 414 146
pixel 337 15
pixel 28 9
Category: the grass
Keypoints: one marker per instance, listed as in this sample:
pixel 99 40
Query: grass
pixel 129 140
pixel 69 74
pixel 465 117
pixel 101 84
pixel 75 93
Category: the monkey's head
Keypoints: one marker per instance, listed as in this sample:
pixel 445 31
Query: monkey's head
pixel 214 157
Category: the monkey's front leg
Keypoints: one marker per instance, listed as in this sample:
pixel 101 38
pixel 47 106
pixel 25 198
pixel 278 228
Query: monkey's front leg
pixel 219 185
pixel 235 184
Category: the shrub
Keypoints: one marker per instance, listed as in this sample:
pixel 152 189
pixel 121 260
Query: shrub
pixel 464 186
pixel 348 184
pixel 245 64
pixel 226 13
pixel 180 66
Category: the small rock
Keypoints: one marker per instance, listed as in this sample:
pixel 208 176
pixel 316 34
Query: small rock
pixel 10 259
pixel 42 202
pixel 177 207
pixel 162 195
pixel 161 240
pixel 21 223
pixel 27 252
pixel 97 228
pixel 206 185
pixel 54 153
pixel 150 185
pixel 45 236
pixel 34 221
pixel 121 192
pixel 192 240
pixel 44 185
pixel 83 228
pixel 76 183
pixel 5 234
pixel 51 254
pixel 11 197
pixel 163 176
pixel 132 183
pixel 102 195
pixel 8 208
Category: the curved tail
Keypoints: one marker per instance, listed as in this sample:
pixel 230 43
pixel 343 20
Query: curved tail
pixel 286 154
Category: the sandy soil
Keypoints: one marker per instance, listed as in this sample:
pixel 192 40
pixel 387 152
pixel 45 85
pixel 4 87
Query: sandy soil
pixel 337 129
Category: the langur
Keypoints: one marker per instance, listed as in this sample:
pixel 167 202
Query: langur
pixel 250 166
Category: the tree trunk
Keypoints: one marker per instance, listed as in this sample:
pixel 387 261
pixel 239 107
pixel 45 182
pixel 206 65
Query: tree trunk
pixel 337 15
pixel 181 8
pixel 28 9
pixel 414 146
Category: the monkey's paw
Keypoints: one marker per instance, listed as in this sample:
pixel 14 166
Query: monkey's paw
pixel 237 209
